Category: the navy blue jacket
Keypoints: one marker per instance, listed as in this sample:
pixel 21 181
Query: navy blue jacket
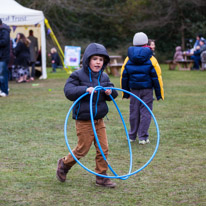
pixel 56 58
pixel 4 43
pixel 141 71
pixel 80 80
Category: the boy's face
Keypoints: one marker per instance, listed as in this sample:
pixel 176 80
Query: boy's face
pixel 96 63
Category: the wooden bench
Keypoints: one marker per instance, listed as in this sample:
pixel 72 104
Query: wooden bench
pixel 171 64
pixel 114 65
pixel 185 64
pixel 182 64
pixel 114 69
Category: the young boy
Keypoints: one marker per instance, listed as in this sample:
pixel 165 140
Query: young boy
pixel 55 59
pixel 141 73
pixel 91 74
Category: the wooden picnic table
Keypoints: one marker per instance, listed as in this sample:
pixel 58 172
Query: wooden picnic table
pixel 185 64
pixel 181 64
pixel 115 59
pixel 114 65
pixel 186 55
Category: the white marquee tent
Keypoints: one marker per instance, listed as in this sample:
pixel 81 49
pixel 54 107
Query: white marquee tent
pixel 22 19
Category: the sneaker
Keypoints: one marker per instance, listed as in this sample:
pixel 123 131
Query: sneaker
pixel 105 182
pixel 2 94
pixel 147 141
pixel 62 170
pixel 142 142
pixel 132 140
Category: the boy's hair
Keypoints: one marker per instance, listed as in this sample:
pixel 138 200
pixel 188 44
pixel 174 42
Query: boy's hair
pixel 0 22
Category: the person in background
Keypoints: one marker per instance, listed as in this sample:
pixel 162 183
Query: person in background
pixel 33 48
pixel 151 43
pixel 178 56
pixel 140 74
pixel 196 54
pixel 22 54
pixel 55 59
pixel 203 60
pixel 197 42
pixel 4 58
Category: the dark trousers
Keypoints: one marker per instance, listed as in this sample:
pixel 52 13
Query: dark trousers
pixel 33 69
pixel 140 117
pixel 4 76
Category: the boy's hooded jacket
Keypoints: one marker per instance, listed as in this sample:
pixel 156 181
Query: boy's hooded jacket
pixel 4 42
pixel 80 80
pixel 141 71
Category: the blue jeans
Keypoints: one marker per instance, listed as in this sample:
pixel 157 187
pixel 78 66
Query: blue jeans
pixel 4 77
pixel 54 66
pixel 196 59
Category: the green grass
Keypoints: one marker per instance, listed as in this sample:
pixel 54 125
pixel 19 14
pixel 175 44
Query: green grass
pixel 32 140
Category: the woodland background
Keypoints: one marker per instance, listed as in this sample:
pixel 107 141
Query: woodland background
pixel 114 22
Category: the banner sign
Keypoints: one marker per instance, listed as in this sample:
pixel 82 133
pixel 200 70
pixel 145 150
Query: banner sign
pixel 72 55
pixel 20 19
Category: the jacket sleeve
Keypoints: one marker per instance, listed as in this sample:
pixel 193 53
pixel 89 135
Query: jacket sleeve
pixel 72 88
pixel 124 79
pixel 4 40
pixel 114 92
pixel 157 79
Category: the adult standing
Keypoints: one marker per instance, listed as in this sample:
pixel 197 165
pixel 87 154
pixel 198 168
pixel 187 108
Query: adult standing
pixel 21 51
pixel 4 58
pixel 33 47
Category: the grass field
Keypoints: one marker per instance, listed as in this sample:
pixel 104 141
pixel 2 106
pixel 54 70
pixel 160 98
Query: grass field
pixel 32 140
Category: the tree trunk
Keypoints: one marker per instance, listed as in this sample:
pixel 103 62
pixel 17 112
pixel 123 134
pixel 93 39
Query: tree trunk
pixel 182 34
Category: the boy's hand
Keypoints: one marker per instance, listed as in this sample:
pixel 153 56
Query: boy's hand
pixel 108 91
pixel 90 89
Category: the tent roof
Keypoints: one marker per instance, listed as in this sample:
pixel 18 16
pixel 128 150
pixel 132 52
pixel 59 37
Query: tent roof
pixel 12 13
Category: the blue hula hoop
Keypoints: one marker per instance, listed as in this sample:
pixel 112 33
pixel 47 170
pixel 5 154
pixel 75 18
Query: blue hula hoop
pixel 122 177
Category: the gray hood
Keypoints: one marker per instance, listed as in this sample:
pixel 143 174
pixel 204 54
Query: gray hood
pixel 95 49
